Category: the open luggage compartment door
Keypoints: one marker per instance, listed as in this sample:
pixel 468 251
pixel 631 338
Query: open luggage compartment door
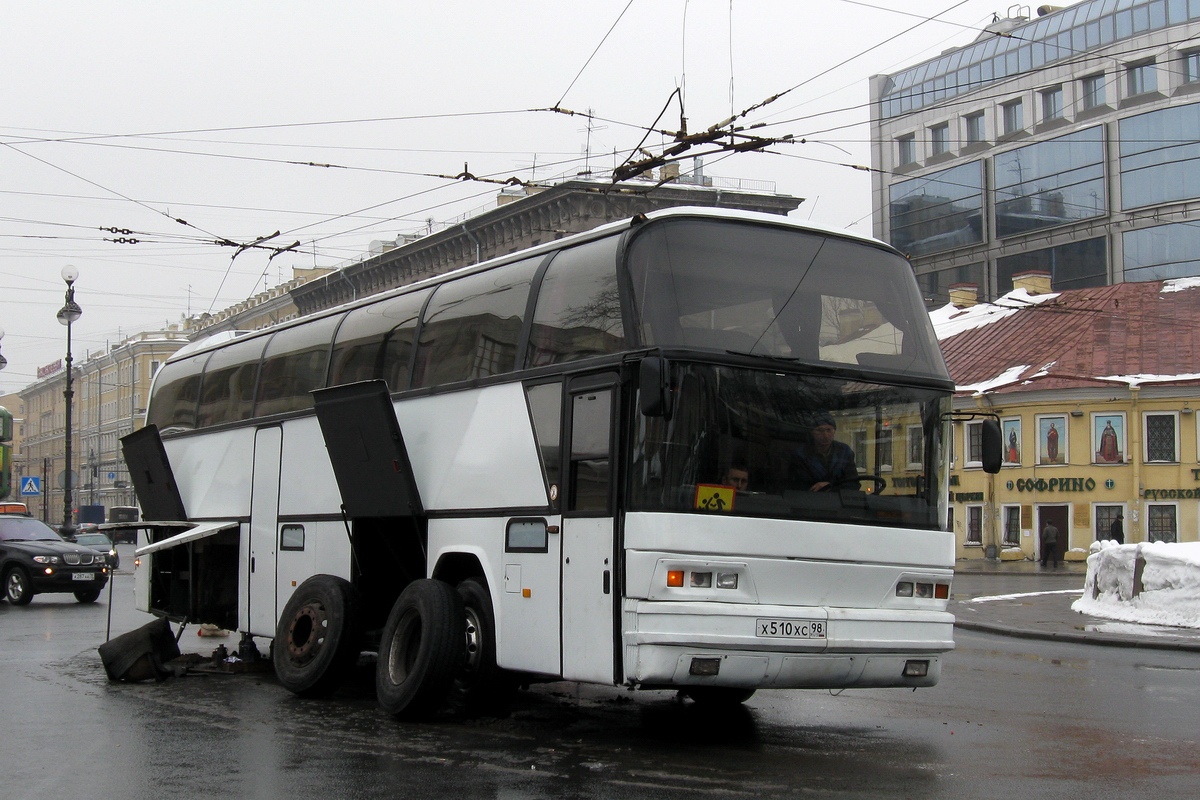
pixel 151 474
pixel 366 450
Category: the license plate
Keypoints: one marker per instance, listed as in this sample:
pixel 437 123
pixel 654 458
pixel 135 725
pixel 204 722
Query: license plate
pixel 790 628
pixel 83 576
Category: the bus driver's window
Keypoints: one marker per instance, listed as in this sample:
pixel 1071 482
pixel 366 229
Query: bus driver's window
pixel 591 418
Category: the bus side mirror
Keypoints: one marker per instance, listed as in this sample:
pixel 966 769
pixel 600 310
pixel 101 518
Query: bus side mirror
pixel 654 394
pixel 993 446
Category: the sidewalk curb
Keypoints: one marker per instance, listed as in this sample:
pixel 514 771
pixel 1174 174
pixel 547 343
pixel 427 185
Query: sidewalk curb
pixel 1102 639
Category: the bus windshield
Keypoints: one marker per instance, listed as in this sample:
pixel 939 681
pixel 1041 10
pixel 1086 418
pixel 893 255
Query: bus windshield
pixel 760 443
pixel 792 294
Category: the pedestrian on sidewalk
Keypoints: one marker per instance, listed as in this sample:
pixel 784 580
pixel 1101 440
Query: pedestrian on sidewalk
pixel 1117 531
pixel 1049 543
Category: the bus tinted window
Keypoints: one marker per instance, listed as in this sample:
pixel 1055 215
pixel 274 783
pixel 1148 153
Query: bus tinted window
pixel 293 365
pixel 472 325
pixel 227 392
pixel 780 292
pixel 375 342
pixel 176 393
pixel 578 307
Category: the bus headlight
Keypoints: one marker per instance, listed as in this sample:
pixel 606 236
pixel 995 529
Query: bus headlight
pixel 727 580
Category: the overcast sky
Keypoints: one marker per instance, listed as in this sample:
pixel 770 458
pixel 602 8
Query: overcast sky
pixel 135 115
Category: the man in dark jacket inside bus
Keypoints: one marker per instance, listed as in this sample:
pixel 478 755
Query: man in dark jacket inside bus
pixel 824 462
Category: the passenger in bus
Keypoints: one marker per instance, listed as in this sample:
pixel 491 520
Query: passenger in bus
pixel 737 476
pixel 823 462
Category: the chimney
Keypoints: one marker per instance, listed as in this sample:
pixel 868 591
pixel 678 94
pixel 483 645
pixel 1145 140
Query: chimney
pixel 669 171
pixel 1035 281
pixel 964 295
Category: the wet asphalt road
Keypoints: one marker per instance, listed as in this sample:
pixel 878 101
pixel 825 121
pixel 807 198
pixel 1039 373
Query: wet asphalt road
pixel 1011 718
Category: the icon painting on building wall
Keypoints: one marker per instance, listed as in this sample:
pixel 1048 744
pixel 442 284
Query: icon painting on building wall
pixel 1052 440
pixel 1108 438
pixel 1011 429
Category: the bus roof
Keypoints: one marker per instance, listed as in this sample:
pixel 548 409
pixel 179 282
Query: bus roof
pixel 598 232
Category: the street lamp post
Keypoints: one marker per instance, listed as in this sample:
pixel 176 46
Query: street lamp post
pixel 68 314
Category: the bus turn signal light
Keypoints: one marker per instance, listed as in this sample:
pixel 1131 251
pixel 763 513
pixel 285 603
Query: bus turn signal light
pixel 675 577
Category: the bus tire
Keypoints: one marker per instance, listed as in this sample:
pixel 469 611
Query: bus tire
pixel 718 696
pixel 317 638
pixel 481 685
pixel 421 651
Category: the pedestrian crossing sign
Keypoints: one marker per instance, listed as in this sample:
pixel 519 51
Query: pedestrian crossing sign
pixel 31 486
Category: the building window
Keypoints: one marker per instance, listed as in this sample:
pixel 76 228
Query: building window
pixel 1161 441
pixel 1162 523
pixel 1052 104
pixel 1141 78
pixel 1160 159
pixel 859 443
pixel 975 129
pixel 935 212
pixel 1049 183
pixel 906 149
pixel 975 525
pixel 1012 526
pixel 1105 516
pixel 1191 66
pixel 884 450
pixel 1092 91
pixel 974 437
pixel 1013 116
pixel 939 138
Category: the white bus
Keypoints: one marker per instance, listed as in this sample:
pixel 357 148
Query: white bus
pixel 592 460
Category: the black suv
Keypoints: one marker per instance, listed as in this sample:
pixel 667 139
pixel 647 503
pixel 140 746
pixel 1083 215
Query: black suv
pixel 34 559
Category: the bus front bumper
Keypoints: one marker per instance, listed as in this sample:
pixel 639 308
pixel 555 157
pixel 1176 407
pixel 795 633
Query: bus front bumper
pixel 785 647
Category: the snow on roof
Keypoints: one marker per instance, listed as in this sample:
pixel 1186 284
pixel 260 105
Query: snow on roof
pixel 950 321
pixel 1118 335
pixel 1137 380
pixel 1010 375
pixel 1180 284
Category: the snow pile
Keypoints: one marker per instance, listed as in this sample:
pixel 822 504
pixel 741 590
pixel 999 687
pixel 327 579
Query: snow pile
pixel 1169 590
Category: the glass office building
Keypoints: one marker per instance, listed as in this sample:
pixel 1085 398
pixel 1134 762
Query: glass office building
pixel 1067 143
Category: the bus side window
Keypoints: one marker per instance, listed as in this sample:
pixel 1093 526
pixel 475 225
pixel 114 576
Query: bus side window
pixel 473 324
pixel 294 364
pixel 590 467
pixel 545 408
pixel 227 390
pixel 578 307
pixel 176 393
pixel 375 342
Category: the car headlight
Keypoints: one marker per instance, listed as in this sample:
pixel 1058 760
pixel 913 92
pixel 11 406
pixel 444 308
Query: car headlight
pixel 46 559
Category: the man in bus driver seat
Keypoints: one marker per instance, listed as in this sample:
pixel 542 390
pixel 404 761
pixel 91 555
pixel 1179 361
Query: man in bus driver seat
pixel 823 462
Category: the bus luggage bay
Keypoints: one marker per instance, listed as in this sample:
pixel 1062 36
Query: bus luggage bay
pixel 700 450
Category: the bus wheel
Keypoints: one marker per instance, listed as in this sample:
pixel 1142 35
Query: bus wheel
pixel 317 638
pixel 718 696
pixel 481 685
pixel 421 651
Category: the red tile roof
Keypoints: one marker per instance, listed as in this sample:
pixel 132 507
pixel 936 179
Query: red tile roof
pixel 1078 337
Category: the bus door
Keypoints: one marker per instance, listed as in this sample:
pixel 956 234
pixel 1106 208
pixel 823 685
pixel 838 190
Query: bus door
pixel 528 595
pixel 588 573
pixel 264 518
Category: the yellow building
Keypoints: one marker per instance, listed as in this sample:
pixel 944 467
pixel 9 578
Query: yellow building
pixel 110 392
pixel 1095 391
